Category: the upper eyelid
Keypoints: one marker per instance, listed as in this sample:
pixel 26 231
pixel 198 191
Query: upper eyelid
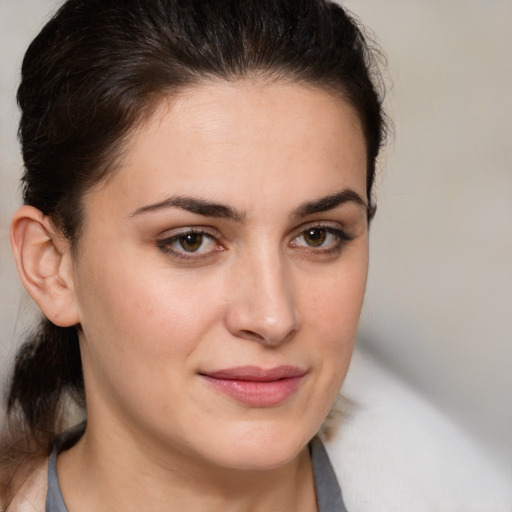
pixel 340 234
pixel 166 241
pixel 165 244
pixel 323 224
pixel 214 233
pixel 169 234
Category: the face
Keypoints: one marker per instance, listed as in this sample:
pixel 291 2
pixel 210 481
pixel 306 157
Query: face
pixel 221 272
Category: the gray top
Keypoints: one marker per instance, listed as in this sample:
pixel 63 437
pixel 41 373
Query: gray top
pixel 328 492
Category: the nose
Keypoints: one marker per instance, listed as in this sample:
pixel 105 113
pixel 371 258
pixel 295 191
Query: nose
pixel 262 305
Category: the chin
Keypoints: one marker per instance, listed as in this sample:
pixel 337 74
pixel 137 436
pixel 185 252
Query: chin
pixel 263 447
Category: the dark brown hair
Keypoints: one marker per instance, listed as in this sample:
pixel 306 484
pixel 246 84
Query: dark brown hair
pixel 97 69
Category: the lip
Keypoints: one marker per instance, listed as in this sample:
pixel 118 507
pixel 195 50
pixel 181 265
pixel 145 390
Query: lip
pixel 255 386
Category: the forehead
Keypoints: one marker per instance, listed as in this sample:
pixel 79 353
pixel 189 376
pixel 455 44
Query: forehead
pixel 232 139
pixel 258 110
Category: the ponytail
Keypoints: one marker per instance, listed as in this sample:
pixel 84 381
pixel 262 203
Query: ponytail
pixel 47 375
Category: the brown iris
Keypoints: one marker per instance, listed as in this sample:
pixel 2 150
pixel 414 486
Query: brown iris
pixel 191 242
pixel 315 236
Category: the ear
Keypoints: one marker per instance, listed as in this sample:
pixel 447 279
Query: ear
pixel 44 262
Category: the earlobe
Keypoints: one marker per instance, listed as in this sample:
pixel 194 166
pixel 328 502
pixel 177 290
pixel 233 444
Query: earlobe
pixel 43 259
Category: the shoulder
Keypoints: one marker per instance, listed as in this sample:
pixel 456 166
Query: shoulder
pixel 396 451
pixel 31 496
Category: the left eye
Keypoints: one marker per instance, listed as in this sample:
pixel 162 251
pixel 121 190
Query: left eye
pixel 323 237
pixel 192 242
pixel 315 237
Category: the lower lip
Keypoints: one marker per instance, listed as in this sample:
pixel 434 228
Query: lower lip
pixel 257 393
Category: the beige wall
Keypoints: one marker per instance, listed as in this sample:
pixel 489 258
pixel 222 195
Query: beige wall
pixel 439 305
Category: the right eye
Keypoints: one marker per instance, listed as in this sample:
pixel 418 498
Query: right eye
pixel 190 244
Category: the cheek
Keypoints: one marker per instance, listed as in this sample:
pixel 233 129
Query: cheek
pixel 140 329
pixel 333 309
pixel 335 303
pixel 145 311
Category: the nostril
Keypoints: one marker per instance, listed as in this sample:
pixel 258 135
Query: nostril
pixel 269 339
pixel 251 335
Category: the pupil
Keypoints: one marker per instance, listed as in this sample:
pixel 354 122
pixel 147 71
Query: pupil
pixel 315 236
pixel 191 241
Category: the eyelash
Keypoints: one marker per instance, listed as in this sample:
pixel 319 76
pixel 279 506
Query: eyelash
pixel 165 245
pixel 341 239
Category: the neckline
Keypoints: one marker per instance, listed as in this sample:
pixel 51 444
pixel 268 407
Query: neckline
pixel 328 492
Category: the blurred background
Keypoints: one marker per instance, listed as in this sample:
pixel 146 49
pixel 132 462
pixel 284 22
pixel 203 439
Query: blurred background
pixel 438 311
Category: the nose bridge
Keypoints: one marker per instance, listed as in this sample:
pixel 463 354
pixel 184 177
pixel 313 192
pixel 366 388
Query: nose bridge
pixel 264 306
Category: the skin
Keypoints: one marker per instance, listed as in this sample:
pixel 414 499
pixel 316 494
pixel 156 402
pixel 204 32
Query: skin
pixel 258 291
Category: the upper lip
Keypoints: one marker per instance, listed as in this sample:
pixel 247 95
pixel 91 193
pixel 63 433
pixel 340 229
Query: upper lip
pixel 256 374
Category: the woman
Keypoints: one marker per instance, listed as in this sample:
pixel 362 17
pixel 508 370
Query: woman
pixel 198 190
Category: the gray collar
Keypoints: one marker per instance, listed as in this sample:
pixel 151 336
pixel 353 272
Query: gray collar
pixel 328 492
pixel 54 500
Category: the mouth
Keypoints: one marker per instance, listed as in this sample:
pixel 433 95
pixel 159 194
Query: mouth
pixel 256 387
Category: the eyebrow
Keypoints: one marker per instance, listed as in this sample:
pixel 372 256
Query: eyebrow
pixel 194 205
pixel 217 210
pixel 330 202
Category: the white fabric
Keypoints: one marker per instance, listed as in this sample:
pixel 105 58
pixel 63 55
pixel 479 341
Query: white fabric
pixel 32 495
pixel 395 452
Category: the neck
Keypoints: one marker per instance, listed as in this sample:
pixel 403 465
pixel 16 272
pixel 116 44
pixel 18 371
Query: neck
pixel 109 474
